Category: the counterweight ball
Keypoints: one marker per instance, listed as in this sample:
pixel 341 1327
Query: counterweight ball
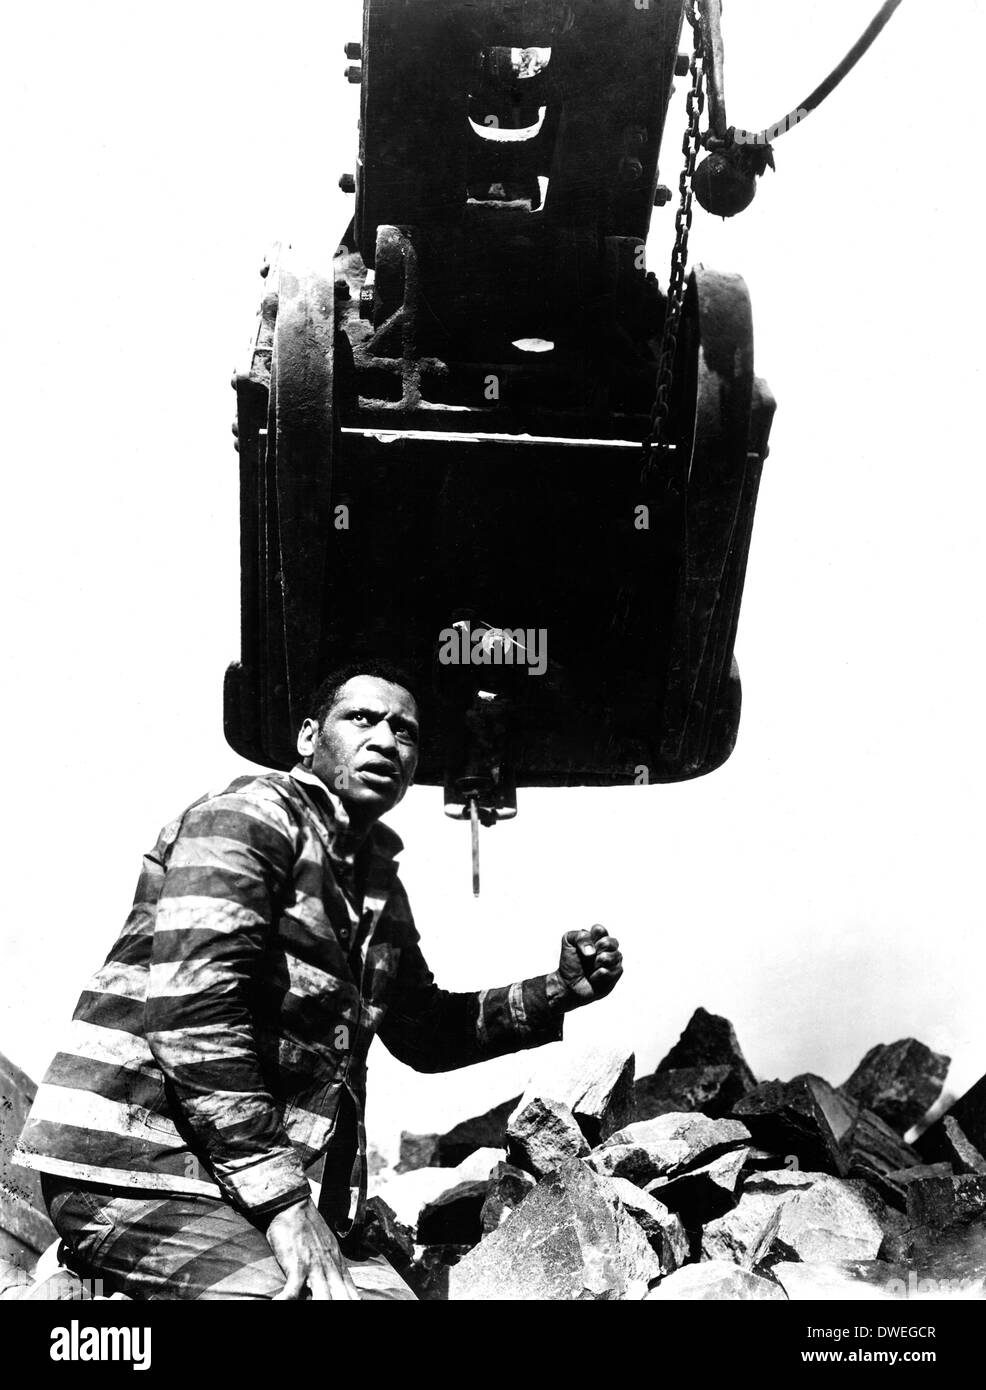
pixel 723 187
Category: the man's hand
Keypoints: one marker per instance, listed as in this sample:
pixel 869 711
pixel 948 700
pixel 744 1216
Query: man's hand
pixel 590 965
pixel 309 1255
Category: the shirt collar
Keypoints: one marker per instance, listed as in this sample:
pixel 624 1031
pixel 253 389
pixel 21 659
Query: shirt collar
pixel 385 843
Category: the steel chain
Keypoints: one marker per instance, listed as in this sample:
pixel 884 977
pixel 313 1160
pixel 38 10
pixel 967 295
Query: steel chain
pixel 654 441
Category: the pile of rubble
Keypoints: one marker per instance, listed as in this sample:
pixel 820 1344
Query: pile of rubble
pixel 697 1182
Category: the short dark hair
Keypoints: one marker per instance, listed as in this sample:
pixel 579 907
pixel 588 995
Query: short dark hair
pixel 379 667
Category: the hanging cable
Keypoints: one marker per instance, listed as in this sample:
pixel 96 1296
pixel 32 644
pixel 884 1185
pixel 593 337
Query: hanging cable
pixel 826 88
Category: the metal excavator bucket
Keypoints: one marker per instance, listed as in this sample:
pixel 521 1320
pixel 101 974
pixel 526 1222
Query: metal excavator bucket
pixel 440 425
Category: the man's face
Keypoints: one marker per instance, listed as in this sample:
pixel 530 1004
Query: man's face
pixel 366 749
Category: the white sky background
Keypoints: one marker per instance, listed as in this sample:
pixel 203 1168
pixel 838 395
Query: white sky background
pixel 823 889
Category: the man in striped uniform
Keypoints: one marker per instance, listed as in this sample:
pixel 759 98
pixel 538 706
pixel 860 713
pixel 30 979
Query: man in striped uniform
pixel 218 1058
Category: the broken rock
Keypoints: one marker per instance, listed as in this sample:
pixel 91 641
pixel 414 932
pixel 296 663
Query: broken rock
pixel 867 1142
pixel 486 1131
pixel 941 1204
pixel 702 1194
pixel 596 1084
pixel 745 1234
pixel 709 1041
pixel 899 1081
pixel 947 1141
pixel 897 1237
pixel 383 1231
pixel 893 1187
pixel 455 1217
pixel 970 1112
pixel 811 1216
pixel 569 1240
pixel 666 1146
pixel 541 1134
pixel 408 1193
pixel 714 1280
pixel 417 1151
pixel 841 1113
pixel 663 1229
pixel 873 1144
pixel 820 1218
pixel 786 1118
pixel 712 1090
pixel 507 1189
pixel 829 1221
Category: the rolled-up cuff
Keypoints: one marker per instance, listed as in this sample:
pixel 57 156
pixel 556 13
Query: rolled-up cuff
pixel 268 1185
pixel 536 1014
pixel 544 1009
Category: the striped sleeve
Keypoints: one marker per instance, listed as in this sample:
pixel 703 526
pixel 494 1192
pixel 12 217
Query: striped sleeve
pixel 213 920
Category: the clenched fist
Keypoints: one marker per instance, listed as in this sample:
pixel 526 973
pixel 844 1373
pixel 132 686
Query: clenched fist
pixel 590 965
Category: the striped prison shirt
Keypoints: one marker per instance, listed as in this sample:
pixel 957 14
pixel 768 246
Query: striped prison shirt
pixel 217 1048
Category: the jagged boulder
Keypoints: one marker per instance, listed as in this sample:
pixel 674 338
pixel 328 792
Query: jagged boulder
pixel 804 1216
pixel 940 1204
pixel 959 1151
pixel 663 1228
pixel 385 1234
pixel 666 1147
pixel 569 1240
pixel 704 1071
pixel 893 1188
pixel 786 1118
pixel 702 1193
pixel 709 1041
pixel 970 1111
pixel 967 1117
pixel 712 1090
pixel 595 1083
pixel 867 1142
pixel 408 1194
pixel 486 1131
pixel 543 1133
pixel 898 1081
pixel 745 1234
